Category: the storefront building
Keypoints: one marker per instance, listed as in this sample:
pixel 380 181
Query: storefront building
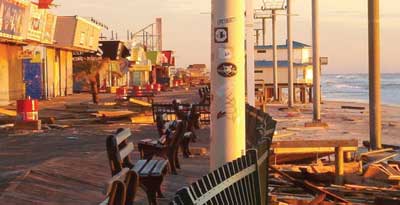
pixel 13 28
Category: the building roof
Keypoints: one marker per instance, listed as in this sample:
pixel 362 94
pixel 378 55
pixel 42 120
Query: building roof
pixel 197 66
pixel 296 45
pixel 269 64
pixel 114 49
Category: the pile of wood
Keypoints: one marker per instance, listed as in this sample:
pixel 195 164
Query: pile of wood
pixel 306 174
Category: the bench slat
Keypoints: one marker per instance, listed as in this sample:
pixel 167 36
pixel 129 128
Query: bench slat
pixel 125 152
pixel 237 185
pixel 224 176
pixel 139 165
pixel 228 168
pixel 208 187
pixel 242 166
pixel 227 183
pixel 122 136
pixel 148 168
pixel 159 168
pixel 213 184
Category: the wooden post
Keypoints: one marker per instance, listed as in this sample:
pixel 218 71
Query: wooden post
pixel 339 165
pixel 374 75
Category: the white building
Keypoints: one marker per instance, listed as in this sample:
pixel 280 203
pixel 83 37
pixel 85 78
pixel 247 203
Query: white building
pixel 302 55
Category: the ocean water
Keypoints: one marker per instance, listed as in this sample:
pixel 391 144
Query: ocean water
pixel 354 87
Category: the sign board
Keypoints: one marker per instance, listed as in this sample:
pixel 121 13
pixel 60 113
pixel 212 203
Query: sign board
pixel 323 60
pixel 221 35
pixel 49 29
pixel 37 21
pixel 12 18
pixel 34 53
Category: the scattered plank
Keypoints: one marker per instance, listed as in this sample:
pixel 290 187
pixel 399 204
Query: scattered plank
pixel 7 112
pixel 28 125
pixel 310 187
pixel 353 107
pixel 139 102
pixel 147 119
pixel 315 143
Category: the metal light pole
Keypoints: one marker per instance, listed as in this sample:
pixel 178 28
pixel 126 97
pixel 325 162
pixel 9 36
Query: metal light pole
pixel 275 56
pixel 374 74
pixel 250 53
pixel 290 54
pixel 264 32
pixel 316 63
pixel 227 82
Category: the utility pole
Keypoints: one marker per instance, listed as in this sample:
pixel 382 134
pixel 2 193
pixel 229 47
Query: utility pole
pixel 275 56
pixel 250 53
pixel 290 54
pixel 228 140
pixel 374 75
pixel 316 63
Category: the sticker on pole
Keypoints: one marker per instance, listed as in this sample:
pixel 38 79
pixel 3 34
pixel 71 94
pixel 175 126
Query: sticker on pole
pixel 227 70
pixel 224 53
pixel 221 35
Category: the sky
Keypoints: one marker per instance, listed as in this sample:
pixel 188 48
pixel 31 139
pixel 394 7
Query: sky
pixel 186 25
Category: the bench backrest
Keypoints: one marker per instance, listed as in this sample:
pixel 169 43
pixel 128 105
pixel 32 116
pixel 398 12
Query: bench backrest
pixel 118 150
pixel 121 188
pixel 168 112
pixel 236 182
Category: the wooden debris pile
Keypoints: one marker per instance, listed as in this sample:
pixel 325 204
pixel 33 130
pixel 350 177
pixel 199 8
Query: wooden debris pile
pixel 303 173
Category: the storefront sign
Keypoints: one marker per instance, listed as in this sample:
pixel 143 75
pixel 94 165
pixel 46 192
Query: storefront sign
pixel 36 23
pixel 34 53
pixel 49 29
pixel 12 18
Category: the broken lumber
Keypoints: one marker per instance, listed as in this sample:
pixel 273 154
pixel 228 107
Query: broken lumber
pixel 10 113
pixel 139 102
pixel 353 107
pixel 310 187
pixel 28 125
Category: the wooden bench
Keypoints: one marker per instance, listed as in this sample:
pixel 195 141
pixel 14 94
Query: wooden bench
pixel 168 149
pixel 169 110
pixel 236 182
pixel 151 172
pixel 121 189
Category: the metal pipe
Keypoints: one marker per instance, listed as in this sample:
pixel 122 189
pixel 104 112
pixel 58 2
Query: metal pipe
pixel 316 63
pixel 250 53
pixel 228 140
pixel 264 31
pixel 257 37
pixel 290 54
pixel 275 55
pixel 374 74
